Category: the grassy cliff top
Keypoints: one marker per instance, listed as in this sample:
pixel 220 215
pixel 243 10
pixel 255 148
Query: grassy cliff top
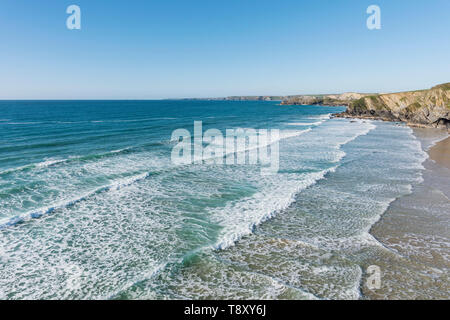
pixel 444 86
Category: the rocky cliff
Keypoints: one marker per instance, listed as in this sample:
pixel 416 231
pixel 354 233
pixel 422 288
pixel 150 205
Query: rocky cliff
pixel 421 108
pixel 324 100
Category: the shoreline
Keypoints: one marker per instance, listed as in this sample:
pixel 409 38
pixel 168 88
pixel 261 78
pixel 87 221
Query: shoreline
pixel 413 227
pixel 440 153
pixel 380 118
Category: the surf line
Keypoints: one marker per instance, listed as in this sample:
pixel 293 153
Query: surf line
pixel 238 147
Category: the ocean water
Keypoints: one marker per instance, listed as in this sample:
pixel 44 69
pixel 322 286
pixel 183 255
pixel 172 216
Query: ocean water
pixel 91 206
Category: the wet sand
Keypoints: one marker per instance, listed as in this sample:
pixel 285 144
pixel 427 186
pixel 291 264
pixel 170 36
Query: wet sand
pixel 415 231
pixel 440 153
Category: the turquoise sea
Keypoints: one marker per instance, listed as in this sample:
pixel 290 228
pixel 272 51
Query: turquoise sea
pixel 91 206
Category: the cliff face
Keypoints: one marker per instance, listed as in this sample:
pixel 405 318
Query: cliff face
pixel 423 108
pixel 324 100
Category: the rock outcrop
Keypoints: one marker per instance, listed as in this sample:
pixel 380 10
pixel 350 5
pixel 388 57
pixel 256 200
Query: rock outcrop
pixel 324 100
pixel 419 108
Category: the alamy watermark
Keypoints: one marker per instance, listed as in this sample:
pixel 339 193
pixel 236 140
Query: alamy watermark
pixel 374 20
pixel 373 281
pixel 238 147
pixel 74 20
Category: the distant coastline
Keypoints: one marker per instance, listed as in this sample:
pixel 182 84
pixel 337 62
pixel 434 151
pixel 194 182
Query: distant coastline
pixel 420 108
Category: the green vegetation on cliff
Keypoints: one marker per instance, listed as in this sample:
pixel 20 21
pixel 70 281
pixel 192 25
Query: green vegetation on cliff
pixel 444 86
pixel 359 105
pixel 422 107
pixel 414 107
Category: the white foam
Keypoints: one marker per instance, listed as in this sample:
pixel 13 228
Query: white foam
pixel 117 253
pixel 305 123
pixel 284 134
pixel 49 163
pixel 240 218
pixel 37 213
pixel 22 123
pixel 42 164
pixel 322 116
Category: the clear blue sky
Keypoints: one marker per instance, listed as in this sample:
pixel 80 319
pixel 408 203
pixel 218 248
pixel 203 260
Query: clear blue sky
pixel 147 49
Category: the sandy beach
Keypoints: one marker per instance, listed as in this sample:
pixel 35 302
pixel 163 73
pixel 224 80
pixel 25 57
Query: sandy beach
pixel 414 229
pixel 440 153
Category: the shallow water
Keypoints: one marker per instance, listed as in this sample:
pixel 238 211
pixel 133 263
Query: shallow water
pixel 416 230
pixel 92 207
